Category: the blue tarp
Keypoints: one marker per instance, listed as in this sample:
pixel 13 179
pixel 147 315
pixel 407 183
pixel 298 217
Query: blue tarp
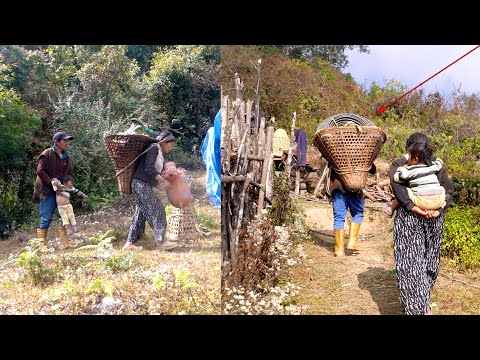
pixel 212 160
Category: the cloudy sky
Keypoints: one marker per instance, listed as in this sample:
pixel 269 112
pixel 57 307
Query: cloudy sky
pixel 413 64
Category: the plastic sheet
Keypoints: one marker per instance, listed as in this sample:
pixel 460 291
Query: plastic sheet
pixel 212 160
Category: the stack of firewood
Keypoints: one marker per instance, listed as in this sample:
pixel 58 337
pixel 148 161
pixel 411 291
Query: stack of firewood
pixel 378 190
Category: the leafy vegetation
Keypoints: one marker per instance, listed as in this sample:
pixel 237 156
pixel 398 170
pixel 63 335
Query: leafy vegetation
pixel 461 242
pixel 87 90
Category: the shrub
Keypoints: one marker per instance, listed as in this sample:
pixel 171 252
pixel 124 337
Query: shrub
pixel 461 242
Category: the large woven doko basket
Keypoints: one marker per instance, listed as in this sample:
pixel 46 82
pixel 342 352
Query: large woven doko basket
pixel 350 150
pixel 123 149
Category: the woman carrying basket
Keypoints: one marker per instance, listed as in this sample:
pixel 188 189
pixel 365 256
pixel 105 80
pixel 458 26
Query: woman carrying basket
pixel 148 206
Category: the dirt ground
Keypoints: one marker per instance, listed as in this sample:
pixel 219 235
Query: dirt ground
pixel 134 289
pixel 361 284
pixel 365 284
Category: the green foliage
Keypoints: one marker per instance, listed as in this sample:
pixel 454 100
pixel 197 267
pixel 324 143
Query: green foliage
pixel 461 241
pixel 100 286
pixel 466 190
pixel 120 263
pixel 185 159
pixel 101 242
pixel 208 220
pixel 159 283
pixel 17 125
pixel 97 202
pixel 183 81
pixel 182 279
pixel 283 207
pixel 35 272
pixel 334 54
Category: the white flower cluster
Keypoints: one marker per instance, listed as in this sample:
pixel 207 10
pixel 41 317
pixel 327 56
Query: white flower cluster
pixel 269 300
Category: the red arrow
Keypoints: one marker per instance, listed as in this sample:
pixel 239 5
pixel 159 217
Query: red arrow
pixel 383 108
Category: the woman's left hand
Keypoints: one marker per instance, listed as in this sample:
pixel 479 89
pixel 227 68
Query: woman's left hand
pixel 432 214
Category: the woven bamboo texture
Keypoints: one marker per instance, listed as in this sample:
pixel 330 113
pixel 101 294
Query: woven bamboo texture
pixel 181 225
pixel 123 149
pixel 350 150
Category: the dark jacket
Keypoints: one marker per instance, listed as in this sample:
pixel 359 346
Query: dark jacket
pixel 49 166
pixel 146 170
pixel 400 191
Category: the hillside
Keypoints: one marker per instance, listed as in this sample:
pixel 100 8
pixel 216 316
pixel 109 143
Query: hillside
pixel 183 281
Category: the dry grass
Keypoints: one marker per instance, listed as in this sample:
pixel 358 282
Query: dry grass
pixel 183 281
pixel 365 284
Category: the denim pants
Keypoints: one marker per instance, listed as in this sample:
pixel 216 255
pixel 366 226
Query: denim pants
pixel 47 208
pixel 341 203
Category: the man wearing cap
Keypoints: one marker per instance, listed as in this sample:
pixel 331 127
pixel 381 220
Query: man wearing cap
pixel 149 207
pixel 52 163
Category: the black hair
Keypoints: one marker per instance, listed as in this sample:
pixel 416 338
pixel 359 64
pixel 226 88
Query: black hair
pixel 416 138
pixel 64 179
pixel 165 136
pixel 423 151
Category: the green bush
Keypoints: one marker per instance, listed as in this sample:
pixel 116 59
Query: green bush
pixel 461 241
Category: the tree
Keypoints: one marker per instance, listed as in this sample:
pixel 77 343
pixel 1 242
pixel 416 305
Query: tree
pixel 184 83
pixel 334 54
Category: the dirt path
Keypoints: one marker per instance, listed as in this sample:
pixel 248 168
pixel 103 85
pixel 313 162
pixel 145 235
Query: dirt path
pixel 365 284
pixel 361 284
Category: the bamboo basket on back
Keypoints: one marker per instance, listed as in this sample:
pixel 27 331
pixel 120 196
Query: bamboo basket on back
pixel 350 143
pixel 124 150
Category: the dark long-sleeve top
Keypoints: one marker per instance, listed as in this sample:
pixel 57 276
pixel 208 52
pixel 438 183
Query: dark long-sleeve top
pixel 146 170
pixel 400 191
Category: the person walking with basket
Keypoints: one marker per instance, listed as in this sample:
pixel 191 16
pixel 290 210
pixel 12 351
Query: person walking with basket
pixel 148 207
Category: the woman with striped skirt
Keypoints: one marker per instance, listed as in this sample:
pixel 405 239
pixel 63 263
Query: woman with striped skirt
pixel 417 239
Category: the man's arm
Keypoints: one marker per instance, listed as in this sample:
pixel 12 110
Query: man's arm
pixel 41 170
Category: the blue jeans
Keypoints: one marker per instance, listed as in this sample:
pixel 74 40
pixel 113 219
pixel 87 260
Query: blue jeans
pixel 341 203
pixel 47 208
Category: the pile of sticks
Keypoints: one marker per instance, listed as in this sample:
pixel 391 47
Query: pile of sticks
pixel 378 190
pixel 247 159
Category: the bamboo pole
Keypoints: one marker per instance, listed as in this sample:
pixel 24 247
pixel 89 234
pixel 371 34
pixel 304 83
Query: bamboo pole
pixel 268 151
pixel 223 137
pixel 240 212
pixel 248 120
pixel 228 132
pixel 297 181
pixel 250 157
pixel 225 241
pixel 235 125
pixel 257 93
pixel 290 150
pixel 240 178
pixel 324 174
pixel 260 141
pixel 238 87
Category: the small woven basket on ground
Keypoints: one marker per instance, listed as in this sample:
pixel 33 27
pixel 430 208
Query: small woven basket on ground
pixel 124 150
pixel 350 148
pixel 182 223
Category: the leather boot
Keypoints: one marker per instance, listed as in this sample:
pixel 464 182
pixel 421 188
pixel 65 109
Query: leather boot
pixel 42 235
pixel 63 237
pixel 353 237
pixel 339 242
